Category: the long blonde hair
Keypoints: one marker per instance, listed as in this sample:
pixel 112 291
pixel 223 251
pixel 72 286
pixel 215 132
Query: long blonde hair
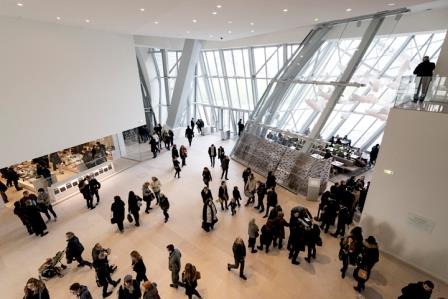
pixel 40 286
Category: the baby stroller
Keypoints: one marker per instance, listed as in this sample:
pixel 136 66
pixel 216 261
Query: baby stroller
pixel 50 267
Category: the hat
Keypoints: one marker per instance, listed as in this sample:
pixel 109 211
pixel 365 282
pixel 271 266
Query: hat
pixel 128 278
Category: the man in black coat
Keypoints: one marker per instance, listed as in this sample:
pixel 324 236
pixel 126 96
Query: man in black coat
pixel 174 152
pixel 192 123
pixel 212 154
pixel 239 254
pixel 240 127
pixel 84 188
pixel 35 218
pixel 103 274
pixel 74 250
pixel 11 177
pixel 21 212
pixel 374 154
pixel 189 134
pixel 271 181
pixel 424 72
pixel 271 201
pixel 418 290
pixel 225 166
pixel 134 203
pixel 94 186
pixel 118 212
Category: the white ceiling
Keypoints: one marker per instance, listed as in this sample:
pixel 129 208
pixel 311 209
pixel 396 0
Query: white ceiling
pixel 175 17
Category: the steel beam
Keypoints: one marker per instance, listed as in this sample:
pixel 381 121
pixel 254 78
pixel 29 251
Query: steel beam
pixel 184 81
pixel 366 40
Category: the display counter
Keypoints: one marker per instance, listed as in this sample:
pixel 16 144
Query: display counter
pixel 64 189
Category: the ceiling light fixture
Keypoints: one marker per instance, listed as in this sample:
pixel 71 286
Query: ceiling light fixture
pixel 214 13
pixel 20 4
pixel 390 4
pixel 285 10
pixel 195 21
pixel 252 23
pixel 348 10
pixel 229 32
pixel 87 21
pixel 316 19
pixel 219 6
pixel 229 22
pixel 188 32
pixel 142 9
pixel 58 18
pixel 156 22
pixel 252 31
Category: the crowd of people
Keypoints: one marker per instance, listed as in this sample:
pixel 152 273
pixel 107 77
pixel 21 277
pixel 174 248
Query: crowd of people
pixel 340 202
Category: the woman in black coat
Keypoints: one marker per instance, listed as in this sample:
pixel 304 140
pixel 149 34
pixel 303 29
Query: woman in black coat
pixel 206 176
pixel 35 289
pixel 138 266
pixel 367 259
pixel 134 207
pixel 130 289
pixel 35 218
pixel 117 209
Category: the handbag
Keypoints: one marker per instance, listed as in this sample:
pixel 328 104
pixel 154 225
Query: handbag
pixel 112 220
pixel 130 219
pixel 362 274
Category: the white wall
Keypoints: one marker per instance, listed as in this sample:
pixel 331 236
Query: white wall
pixel 407 211
pixel 61 86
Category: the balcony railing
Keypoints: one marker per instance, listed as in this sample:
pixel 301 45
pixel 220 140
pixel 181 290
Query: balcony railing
pixel 423 93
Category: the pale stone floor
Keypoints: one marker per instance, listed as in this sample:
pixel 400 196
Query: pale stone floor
pixel 269 275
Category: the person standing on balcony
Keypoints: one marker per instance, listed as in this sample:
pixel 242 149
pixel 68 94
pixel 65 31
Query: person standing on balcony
pixel 424 72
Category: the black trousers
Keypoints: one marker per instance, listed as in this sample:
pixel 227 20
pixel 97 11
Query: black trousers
pixel 238 264
pixel 157 195
pixel 105 283
pixel 48 209
pixel 136 218
pixel 82 262
pixel 340 230
pixel 120 225
pixel 165 213
pixel 212 161
pixel 189 141
pixel 183 161
pixel 223 201
pixel 224 172
pixel 311 251
pixel 89 202
pixel 97 196
pixel 260 203
pixel 4 196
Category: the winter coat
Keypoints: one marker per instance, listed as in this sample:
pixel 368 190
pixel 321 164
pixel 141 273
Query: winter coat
pixel 209 213
pixel 164 203
pixel 279 224
pixel 271 182
pixel 272 198
pixel 174 260
pixel 236 194
pixel 153 293
pixel 415 291
pixel 139 268
pixel 84 293
pixel 206 177
pixel 35 219
pixel 133 206
pixel 41 295
pixel 155 186
pixel 74 248
pixel 102 270
pixel 251 186
pixel 253 230
pixel 118 211
pixel 225 163
pixel 239 251
pixel 206 195
pixel 425 69
pixel 222 193
pixel 212 151
pixel 94 185
pixel 123 293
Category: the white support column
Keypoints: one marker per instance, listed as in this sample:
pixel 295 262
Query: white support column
pixel 367 38
pixel 184 81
